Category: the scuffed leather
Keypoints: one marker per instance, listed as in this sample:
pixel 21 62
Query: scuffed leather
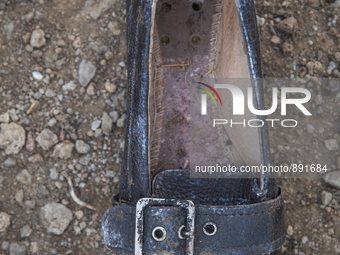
pixel 134 180
pixel 242 229
pixel 177 184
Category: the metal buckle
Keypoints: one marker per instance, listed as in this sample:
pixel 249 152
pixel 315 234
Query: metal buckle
pixel 190 226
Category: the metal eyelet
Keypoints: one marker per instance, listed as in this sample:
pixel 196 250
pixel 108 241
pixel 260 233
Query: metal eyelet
pixel 159 233
pixel 180 236
pixel 209 228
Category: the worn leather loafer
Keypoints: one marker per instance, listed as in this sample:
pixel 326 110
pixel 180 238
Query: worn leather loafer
pixel 159 208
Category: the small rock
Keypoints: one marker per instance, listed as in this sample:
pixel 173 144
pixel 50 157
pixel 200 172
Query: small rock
pixel 30 204
pixel 86 72
pixel 304 239
pixel 79 214
pixel 17 248
pixel 9 162
pixel 108 55
pixel 13 115
pixel 98 47
pixel 12 138
pixel 113 26
pixel 35 159
pixel 38 38
pixel 326 197
pixel 42 191
pixel 69 86
pixel 46 139
pixel 107 124
pixel 4 118
pixel 276 40
pixel 37 95
pixel 82 147
pixel 121 121
pixel 50 93
pixel 55 217
pixel 34 248
pixel 19 196
pixel 63 150
pixel 96 124
pixel 5 245
pixel 333 179
pixel 287 25
pixel 331 231
pixel 77 43
pixel 114 116
pixel 54 174
pixel 260 21
pixel 52 122
pixel 91 89
pixel 25 231
pixel 310 129
pixel 332 66
pixel 37 76
pixel 332 144
pixel 98 133
pixel 290 230
pixel 337 56
pixel 95 8
pixel 5 221
pixel 85 160
pixel 30 142
pixel 110 87
pixel 28 17
pixel 287 47
pixel 24 177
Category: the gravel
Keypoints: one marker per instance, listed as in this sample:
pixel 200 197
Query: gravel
pixel 12 138
pixel 55 217
pixel 5 221
pixel 86 72
pixel 46 139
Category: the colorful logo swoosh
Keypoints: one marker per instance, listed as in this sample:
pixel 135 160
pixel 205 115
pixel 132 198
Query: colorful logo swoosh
pixel 213 90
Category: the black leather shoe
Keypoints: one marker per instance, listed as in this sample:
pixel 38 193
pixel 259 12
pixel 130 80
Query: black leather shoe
pixel 159 208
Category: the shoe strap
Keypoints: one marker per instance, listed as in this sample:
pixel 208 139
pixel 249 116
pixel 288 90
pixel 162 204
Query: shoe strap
pixel 207 229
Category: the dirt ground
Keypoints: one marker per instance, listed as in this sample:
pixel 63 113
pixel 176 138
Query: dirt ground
pixel 46 45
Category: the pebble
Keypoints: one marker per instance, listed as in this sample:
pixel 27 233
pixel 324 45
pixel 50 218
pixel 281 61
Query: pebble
pixel 37 76
pixel 98 47
pixel 50 93
pixel 121 121
pixel 260 21
pixel 55 217
pixel 35 159
pixel 38 38
pixel 82 147
pixel 17 248
pixel 287 25
pixel 310 129
pixel 275 39
pixel 98 132
pixel 5 221
pixel 107 124
pixel 96 8
pixel 25 231
pixel 37 95
pixel 4 118
pixel 9 162
pixel 326 197
pixel 332 145
pixel 19 196
pixel 85 160
pixel 91 89
pixel 86 72
pixel 333 179
pixel 110 87
pixel 5 245
pixel 30 204
pixel 12 138
pixel 96 124
pixel 113 26
pixel 290 230
pixel 79 214
pixel 24 177
pixel 46 139
pixel 13 115
pixel 69 86
pixel 54 174
pixel 63 150
pixel 108 55
pixel 114 116
pixel 34 247
pixel 304 239
pixel 52 122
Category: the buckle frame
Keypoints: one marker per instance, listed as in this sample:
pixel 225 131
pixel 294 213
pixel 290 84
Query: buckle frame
pixel 190 224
